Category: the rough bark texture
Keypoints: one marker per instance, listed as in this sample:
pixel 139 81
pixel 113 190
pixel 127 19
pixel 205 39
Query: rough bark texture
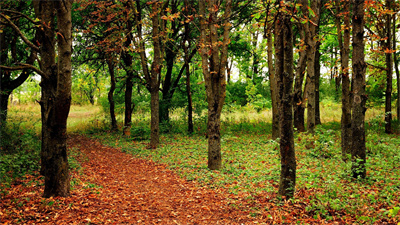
pixel 273 85
pixel 284 74
pixel 111 70
pixel 344 46
pixel 317 69
pixel 214 60
pixel 127 59
pixel 389 72
pixel 310 41
pixel 298 101
pixel 155 79
pixel 56 93
pixel 188 91
pixel 396 66
pixel 358 152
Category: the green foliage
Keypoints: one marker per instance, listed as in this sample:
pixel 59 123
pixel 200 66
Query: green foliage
pixel 19 151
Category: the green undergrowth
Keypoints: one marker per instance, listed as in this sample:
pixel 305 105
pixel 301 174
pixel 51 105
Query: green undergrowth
pixel 251 167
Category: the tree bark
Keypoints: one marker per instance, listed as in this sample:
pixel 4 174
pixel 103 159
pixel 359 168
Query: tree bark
pixel 273 85
pixel 344 46
pixel 127 59
pixel 396 66
pixel 298 101
pixel 359 97
pixel 214 60
pixel 154 80
pixel 284 73
pixel 152 76
pixel 389 72
pixel 310 32
pixel 317 69
pixel 186 45
pixel 56 93
pixel 111 70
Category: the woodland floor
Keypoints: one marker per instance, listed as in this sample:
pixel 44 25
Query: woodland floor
pixel 112 187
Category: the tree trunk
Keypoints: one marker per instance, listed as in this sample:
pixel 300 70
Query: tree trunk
pixel 272 79
pixel 359 67
pixel 310 32
pixel 389 73
pixel 298 101
pixel 284 73
pixel 396 66
pixel 154 80
pixel 214 60
pixel 111 70
pixel 127 59
pixel 152 76
pixel 317 69
pixel 56 94
pixel 186 45
pixel 128 104
pixel 344 46
pixel 167 93
pixel 4 97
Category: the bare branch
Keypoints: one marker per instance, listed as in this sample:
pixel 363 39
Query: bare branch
pixel 22 67
pixel 30 44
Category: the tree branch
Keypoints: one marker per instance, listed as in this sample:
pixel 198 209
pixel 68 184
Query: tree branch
pixel 21 14
pixel 375 66
pixel 30 44
pixel 22 67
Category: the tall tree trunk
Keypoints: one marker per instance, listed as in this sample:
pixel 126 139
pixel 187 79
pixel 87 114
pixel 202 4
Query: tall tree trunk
pixel 186 45
pixel 154 80
pixel 317 69
pixel 298 101
pixel 396 66
pixel 284 74
pixel 344 46
pixel 127 59
pixel 273 85
pixel 167 85
pixel 389 72
pixel 56 93
pixel 358 116
pixel 214 60
pixel 310 32
pixel 152 76
pixel 111 70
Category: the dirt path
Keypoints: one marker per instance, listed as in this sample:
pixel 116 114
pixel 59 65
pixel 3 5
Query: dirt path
pixel 116 188
pixel 136 190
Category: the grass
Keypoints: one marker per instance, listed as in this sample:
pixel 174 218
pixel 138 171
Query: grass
pixel 251 164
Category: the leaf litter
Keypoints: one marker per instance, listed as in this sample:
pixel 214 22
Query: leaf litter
pixel 112 187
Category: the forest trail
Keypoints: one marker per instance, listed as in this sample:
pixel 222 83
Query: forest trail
pixel 113 187
pixel 141 191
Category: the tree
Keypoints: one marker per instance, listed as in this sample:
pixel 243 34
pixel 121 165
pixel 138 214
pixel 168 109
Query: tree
pixel 284 74
pixel 344 46
pixel 15 55
pixel 214 59
pixel 389 70
pixel 359 97
pixel 268 30
pixel 310 28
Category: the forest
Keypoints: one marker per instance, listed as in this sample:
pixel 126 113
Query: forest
pixel 199 112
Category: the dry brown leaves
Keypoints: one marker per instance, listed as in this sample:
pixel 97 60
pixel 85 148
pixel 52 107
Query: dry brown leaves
pixel 116 188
